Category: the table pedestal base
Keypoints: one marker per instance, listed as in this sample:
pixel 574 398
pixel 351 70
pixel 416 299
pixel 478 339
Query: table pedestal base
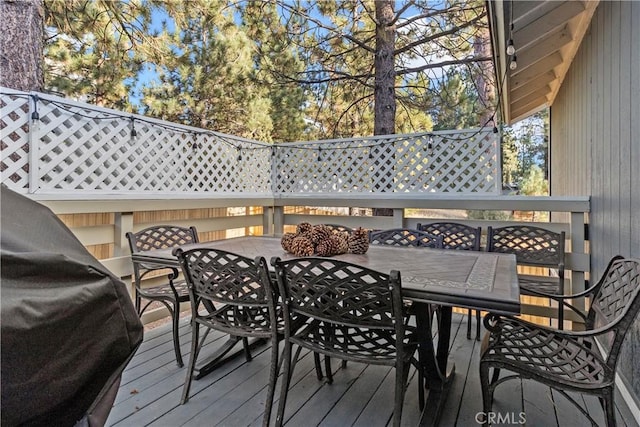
pixel 435 400
pixel 219 357
pixel 438 376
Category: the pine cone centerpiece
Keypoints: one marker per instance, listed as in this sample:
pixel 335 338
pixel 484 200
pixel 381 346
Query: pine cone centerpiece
pixel 302 246
pixel 321 240
pixel 286 240
pixel 341 243
pixel 320 233
pixel 330 246
pixel 304 229
pixel 359 241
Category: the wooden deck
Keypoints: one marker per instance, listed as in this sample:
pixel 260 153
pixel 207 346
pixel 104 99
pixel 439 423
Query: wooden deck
pixel 361 395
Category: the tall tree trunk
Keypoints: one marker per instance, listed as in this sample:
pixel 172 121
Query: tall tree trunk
pixel 384 95
pixel 21 41
pixel 385 82
pixel 486 94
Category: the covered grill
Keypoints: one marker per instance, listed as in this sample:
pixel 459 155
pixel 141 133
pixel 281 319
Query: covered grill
pixel 69 327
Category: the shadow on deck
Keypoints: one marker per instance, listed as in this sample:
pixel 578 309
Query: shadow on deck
pixel 361 395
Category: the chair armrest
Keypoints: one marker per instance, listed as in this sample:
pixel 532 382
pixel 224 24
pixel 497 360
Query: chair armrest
pixel 492 322
pixel 562 299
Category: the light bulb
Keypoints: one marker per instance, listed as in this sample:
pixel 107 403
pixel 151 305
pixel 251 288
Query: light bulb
pixel 513 64
pixel 511 49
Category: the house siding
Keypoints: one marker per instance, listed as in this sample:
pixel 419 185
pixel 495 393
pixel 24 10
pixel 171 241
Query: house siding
pixel 595 144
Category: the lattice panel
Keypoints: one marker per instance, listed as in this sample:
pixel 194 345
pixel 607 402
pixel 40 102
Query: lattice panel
pixel 216 163
pixel 336 166
pixel 448 163
pixel 462 162
pixel 84 147
pixel 14 133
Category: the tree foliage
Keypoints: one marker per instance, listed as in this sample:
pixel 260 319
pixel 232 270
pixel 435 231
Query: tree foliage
pixel 92 49
pixel 277 70
pixel 383 59
pixel 209 80
pixel 525 155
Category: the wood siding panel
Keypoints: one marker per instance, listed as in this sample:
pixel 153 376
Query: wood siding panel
pixel 595 147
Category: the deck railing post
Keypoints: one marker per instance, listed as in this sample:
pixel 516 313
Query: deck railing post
pixel 123 223
pixel 577 247
pixel 398 218
pixel 278 220
pixel 267 220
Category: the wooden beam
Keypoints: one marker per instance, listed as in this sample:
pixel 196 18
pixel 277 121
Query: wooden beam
pixel 547 78
pixel 539 28
pixel 540 96
pixel 546 64
pixel 525 12
pixel 534 86
pixel 580 24
pixel 530 108
pixel 545 47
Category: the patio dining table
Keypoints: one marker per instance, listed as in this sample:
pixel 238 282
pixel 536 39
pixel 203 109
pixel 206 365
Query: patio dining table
pixel 477 280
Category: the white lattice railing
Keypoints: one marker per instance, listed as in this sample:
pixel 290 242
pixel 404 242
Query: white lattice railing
pixel 54 145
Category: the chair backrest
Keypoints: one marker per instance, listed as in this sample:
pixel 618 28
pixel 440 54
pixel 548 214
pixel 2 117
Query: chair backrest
pixel 455 235
pixel 405 237
pixel 615 303
pixel 161 237
pixel 340 293
pixel 531 245
pixel 225 277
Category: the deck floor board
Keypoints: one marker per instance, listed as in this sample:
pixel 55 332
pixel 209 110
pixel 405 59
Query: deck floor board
pixel 361 395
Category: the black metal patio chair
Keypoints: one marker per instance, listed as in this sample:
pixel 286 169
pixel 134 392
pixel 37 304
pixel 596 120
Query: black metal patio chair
pixel 173 291
pixel 583 362
pixel 405 237
pixel 459 237
pixel 534 247
pixel 241 302
pixel 353 313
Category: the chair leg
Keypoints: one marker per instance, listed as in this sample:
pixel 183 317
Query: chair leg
pixel 286 379
pixel 560 316
pixel 487 391
pixel 195 348
pixel 316 361
pixel 176 333
pixel 608 407
pixel 402 373
pixel 273 378
pixel 247 349
pixel 421 386
pixel 327 367
pixel 469 312
pixel 478 322
pixel 138 302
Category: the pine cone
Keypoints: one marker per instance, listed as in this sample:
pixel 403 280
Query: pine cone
pixel 320 233
pixel 286 240
pixel 304 229
pixel 359 241
pixel 302 246
pixel 341 243
pixel 325 248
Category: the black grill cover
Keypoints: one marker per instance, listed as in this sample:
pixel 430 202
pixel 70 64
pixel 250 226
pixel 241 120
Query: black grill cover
pixel 68 325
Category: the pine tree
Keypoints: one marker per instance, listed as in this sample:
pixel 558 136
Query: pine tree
pixel 273 50
pixel 92 49
pixel 382 56
pixel 209 81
